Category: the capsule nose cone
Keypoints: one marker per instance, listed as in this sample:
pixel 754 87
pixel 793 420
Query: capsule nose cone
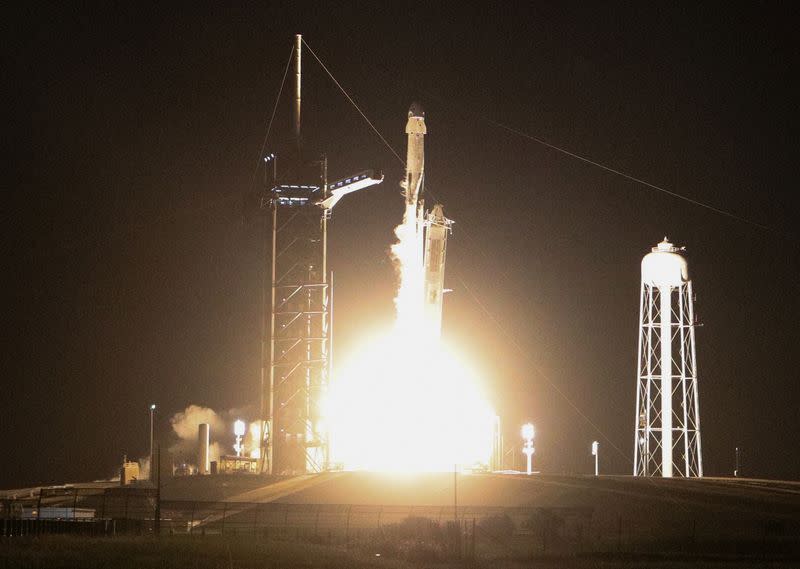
pixel 415 110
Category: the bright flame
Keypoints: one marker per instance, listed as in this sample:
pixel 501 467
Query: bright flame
pixel 406 402
pixel 255 439
pixel 407 253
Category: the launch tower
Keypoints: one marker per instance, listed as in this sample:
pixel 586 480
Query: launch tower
pixel 667 433
pixel 296 345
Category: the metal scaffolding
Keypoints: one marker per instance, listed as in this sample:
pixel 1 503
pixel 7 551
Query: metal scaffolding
pixel 299 335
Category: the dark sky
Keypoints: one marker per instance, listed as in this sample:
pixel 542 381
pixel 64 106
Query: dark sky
pixel 132 276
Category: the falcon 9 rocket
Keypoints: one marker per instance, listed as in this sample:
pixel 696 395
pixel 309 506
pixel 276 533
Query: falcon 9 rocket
pixel 431 230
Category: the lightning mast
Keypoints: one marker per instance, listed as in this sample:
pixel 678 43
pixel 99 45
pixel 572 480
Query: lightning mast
pixel 667 433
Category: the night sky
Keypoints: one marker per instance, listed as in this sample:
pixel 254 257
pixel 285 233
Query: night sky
pixel 131 260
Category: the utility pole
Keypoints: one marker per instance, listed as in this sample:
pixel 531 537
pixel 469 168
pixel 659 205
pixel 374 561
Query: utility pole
pixel 738 470
pixel 152 412
pixel 157 517
pixel 455 493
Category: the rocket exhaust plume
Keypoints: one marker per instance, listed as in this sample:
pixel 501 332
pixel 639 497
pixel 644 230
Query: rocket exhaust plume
pixel 406 402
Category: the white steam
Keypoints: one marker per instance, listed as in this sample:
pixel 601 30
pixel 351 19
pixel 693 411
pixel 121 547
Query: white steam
pixel 185 427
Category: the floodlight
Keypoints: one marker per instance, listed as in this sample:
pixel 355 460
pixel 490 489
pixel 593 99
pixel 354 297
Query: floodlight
pixel 239 428
pixel 528 431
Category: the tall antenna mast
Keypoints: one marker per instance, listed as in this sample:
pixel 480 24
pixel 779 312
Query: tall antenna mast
pixel 298 46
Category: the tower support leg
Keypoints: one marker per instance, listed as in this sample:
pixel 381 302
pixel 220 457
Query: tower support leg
pixel 666 381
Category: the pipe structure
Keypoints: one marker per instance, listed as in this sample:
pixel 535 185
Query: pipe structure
pixel 665 294
pixel 203 443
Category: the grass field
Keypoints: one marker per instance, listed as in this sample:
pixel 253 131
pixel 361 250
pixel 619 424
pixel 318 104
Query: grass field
pixel 230 553
pixel 144 553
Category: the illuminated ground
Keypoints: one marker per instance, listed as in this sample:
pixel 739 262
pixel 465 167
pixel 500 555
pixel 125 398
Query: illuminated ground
pixel 658 506
pixel 436 489
pixel 615 513
pixel 609 493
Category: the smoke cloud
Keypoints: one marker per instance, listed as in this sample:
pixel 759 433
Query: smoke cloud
pixel 185 424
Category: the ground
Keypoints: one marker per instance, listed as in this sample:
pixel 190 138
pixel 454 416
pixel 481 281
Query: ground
pixel 61 552
pixel 347 518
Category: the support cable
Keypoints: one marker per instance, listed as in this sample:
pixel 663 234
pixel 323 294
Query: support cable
pixel 537 369
pixel 349 98
pixel 449 106
pixel 623 174
pixel 186 212
pixel 271 119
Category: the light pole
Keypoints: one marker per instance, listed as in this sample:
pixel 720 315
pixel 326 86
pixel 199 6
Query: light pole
pixel 596 454
pixel 152 412
pixel 528 433
pixel 738 470
pixel 455 492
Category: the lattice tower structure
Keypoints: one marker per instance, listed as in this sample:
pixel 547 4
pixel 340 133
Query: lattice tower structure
pixel 667 432
pixel 299 330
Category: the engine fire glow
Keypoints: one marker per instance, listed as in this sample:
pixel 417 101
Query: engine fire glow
pixel 404 407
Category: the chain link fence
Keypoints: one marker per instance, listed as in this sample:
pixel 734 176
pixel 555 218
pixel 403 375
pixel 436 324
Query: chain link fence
pixel 418 532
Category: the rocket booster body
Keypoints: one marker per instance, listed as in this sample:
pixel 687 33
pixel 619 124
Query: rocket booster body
pixel 437 226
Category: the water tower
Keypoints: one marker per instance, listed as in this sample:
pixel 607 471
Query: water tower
pixel 667 438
